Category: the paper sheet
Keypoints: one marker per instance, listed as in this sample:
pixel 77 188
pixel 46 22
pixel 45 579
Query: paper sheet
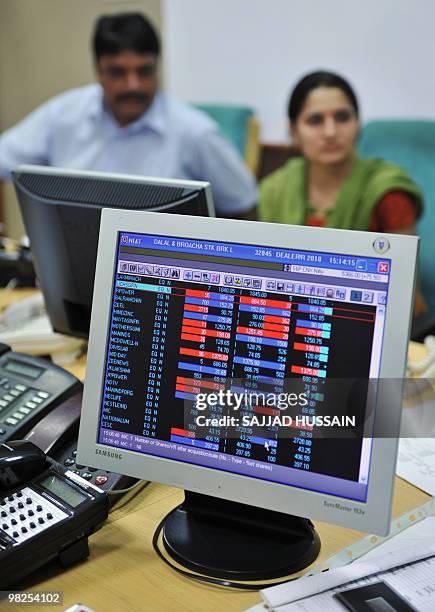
pixel 415 583
pixel 410 535
pixel 416 462
pixel 358 573
pixel 415 535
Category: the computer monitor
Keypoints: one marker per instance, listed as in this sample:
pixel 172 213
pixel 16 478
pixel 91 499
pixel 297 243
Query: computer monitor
pixel 190 314
pixel 61 211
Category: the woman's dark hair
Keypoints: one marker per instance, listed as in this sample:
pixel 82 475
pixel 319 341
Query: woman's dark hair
pixel 124 32
pixel 312 81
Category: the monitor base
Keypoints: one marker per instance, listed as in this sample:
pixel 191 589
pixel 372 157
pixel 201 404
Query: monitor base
pixel 235 541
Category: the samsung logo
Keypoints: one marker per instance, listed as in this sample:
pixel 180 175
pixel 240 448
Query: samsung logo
pixel 110 454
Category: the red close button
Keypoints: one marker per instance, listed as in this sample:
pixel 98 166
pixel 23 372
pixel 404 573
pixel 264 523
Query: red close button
pixel 100 480
pixel 383 266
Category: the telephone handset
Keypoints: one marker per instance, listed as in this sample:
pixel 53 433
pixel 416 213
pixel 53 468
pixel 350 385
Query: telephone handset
pixel 46 512
pixel 56 434
pixel 30 387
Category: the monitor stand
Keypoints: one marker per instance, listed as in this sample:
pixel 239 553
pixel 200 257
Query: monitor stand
pixel 234 541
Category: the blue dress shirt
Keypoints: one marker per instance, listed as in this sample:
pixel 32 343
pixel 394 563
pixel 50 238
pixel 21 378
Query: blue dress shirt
pixel 170 140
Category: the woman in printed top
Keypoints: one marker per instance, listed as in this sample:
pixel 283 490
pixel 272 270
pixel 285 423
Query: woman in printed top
pixel 330 186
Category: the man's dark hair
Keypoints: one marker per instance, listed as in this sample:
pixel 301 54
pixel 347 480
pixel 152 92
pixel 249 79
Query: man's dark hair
pixel 124 32
pixel 311 81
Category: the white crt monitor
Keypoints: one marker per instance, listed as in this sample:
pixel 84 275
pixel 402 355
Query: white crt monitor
pixel 187 307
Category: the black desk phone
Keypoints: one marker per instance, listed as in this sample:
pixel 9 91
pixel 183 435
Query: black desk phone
pixel 30 387
pixel 57 434
pixel 46 512
pixel 41 402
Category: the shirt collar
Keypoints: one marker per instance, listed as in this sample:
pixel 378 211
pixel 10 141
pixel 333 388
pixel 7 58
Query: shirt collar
pixel 152 119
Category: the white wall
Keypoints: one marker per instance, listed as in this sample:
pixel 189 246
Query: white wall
pixel 252 51
pixel 45 49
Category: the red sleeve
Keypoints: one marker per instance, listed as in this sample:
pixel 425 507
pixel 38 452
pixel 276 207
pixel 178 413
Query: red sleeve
pixel 394 211
pixel 314 221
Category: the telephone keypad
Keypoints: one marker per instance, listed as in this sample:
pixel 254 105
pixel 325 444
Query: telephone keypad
pixel 49 514
pixel 84 471
pixel 20 400
pixel 101 478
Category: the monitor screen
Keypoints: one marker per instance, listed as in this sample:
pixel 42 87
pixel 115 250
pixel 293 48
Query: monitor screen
pixel 61 210
pixel 190 318
pixel 243 360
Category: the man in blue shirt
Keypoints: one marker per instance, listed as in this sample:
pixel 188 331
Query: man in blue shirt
pixel 126 124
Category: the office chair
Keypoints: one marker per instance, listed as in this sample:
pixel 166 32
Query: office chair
pixel 240 126
pixel 410 143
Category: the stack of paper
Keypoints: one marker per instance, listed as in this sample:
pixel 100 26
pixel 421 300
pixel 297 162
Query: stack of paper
pixel 406 563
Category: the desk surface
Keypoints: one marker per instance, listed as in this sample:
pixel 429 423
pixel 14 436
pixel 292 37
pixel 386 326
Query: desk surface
pixel 123 573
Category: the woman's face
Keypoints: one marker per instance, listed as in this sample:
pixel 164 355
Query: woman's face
pixel 327 127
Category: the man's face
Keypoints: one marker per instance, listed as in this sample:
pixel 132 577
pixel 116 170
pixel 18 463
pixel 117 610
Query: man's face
pixel 129 82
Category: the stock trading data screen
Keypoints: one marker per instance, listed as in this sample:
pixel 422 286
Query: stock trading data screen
pixel 192 318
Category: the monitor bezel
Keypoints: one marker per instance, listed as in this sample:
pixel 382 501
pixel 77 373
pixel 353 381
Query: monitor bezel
pixel 117 176
pixel 373 515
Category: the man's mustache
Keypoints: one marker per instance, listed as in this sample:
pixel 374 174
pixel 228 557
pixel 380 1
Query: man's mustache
pixel 134 96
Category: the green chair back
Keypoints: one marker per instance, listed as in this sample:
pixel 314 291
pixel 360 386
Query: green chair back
pixel 410 144
pixel 233 121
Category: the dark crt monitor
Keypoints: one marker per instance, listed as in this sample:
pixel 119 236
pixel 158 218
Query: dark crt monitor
pixel 61 210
